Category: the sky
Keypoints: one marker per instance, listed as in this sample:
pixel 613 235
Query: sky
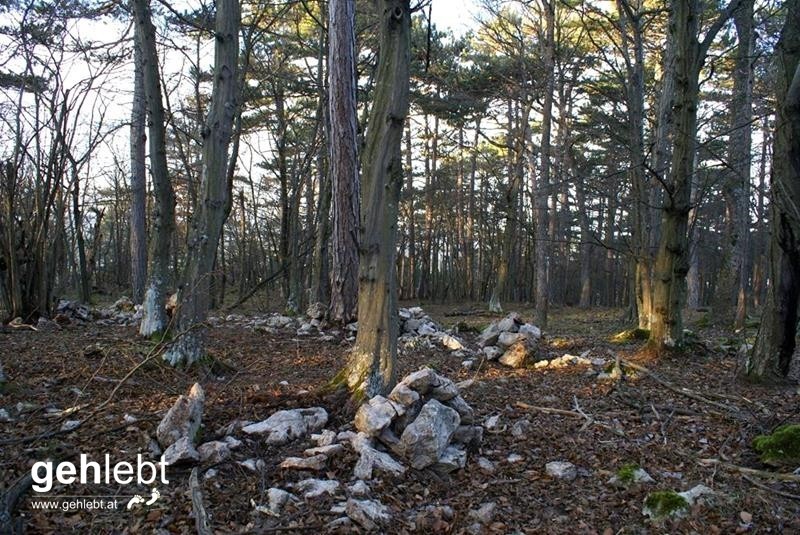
pixel 456 15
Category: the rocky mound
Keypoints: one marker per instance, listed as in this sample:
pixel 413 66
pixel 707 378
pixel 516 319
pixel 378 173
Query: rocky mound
pixel 511 341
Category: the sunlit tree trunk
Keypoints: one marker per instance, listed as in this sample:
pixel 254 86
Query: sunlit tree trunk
pixel 210 212
pixel 154 315
pixel 774 349
pixel 343 160
pixel 371 369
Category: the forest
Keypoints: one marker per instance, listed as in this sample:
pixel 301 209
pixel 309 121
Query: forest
pixel 395 266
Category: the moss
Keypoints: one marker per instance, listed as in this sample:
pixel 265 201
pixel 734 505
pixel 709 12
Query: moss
pixel 782 447
pixel 664 503
pixel 627 474
pixel 631 335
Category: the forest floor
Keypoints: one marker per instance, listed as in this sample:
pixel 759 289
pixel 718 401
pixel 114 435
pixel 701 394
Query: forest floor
pixel 637 421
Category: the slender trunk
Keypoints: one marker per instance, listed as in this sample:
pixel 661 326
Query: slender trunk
pixel 208 223
pixel 343 160
pixel 371 369
pixel 138 236
pixel 154 315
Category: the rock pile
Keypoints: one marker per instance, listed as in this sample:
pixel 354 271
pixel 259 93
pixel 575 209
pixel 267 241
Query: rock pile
pixel 424 421
pixel 511 341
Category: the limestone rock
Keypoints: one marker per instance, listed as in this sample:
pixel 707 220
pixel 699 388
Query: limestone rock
pixel 316 462
pixel 462 408
pixel 287 425
pixel 181 451
pixel 316 311
pixel 372 459
pixel 492 352
pixel 277 499
pixel 314 488
pixel 489 336
pixel 359 488
pixel 517 355
pixel 561 470
pixel 183 418
pixel 330 450
pixel 421 380
pixel 326 437
pixel 452 459
pixel 374 415
pixel 370 514
pixel 443 389
pixel 402 394
pixel 509 324
pixel 506 339
pixel 531 331
pixel 484 514
pixel 215 451
pixel 425 439
pixel 452 343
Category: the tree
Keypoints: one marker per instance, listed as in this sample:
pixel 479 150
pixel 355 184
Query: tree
pixel 194 293
pixel 672 259
pixel 154 314
pixel 343 160
pixel 371 368
pixel 774 349
pixel 138 240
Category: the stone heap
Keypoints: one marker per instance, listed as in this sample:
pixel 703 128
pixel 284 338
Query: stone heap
pixel 511 341
pixel 424 421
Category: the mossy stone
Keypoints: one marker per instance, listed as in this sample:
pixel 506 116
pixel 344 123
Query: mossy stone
pixel 781 448
pixel 665 503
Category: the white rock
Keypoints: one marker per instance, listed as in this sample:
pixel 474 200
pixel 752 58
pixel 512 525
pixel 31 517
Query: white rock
pixel 443 389
pixel 314 488
pixel 492 352
pixel 317 462
pixel 518 354
pixel 375 415
pixel 232 442
pixel 214 452
pixel 639 475
pixel 532 331
pixel 372 460
pixel 370 514
pixel 183 418
pixel 421 380
pixel 452 459
pixel 277 499
pixel 509 324
pixel 325 438
pixel 484 514
pixel 507 339
pixel 694 494
pixel 180 452
pixel 254 465
pixel 451 342
pixel 4 416
pixel 515 458
pixel 330 450
pixel 416 312
pixel 492 422
pixel 128 419
pixel 287 425
pixel 561 470
pixel 427 329
pixel 69 425
pixel 467 364
pixel 486 465
pixel 359 488
pixel 463 409
pixel 489 335
pixel 404 395
pixel 210 473
pixel 425 439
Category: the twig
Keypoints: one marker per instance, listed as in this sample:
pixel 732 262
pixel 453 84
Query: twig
pixel 770 489
pixel 680 390
pixel 200 515
pixel 571 414
pixel 779 476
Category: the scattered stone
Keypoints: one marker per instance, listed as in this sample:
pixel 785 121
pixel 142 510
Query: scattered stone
pixel 492 352
pixel 521 428
pixel 128 419
pixel 370 514
pixel 467 364
pixel 372 459
pixel 452 343
pixel 183 418
pixel 210 473
pixel 517 355
pixel 317 462
pixel 314 488
pixel 420 381
pixel 425 439
pixel 330 450
pixel 340 525
pixel 277 499
pixel 374 415
pixel 629 475
pixel 486 465
pixel 452 459
pixel 484 514
pixel 697 494
pixel 492 423
pixel 214 452
pixel 359 489
pixel 531 331
pixel 489 335
pixel 4 416
pixel 181 451
pixel 69 425
pixel 254 465
pixel 514 458
pixel 561 470
pixel 287 425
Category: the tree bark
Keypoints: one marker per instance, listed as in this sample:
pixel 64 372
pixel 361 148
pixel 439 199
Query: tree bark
pixel 371 369
pixel 138 236
pixel 210 214
pixel 774 349
pixel 343 160
pixel 154 315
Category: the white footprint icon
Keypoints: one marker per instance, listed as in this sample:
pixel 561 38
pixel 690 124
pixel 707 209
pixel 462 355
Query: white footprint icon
pixel 153 497
pixel 136 500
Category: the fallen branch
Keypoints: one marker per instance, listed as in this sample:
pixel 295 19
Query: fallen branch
pixel 778 476
pixel 770 489
pixel 200 515
pixel 8 502
pixel 681 390
pixel 572 414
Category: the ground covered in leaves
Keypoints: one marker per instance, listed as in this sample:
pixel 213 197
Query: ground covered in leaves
pixel 682 438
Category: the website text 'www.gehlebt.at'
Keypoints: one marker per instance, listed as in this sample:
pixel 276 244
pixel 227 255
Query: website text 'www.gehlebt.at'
pixel 46 474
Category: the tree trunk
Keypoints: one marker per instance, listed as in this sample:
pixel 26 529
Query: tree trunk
pixel 774 349
pixel 207 225
pixel 729 303
pixel 138 236
pixel 371 369
pixel 542 186
pixel 343 160
pixel 154 315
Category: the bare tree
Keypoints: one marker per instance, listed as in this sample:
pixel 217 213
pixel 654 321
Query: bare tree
pixel 138 239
